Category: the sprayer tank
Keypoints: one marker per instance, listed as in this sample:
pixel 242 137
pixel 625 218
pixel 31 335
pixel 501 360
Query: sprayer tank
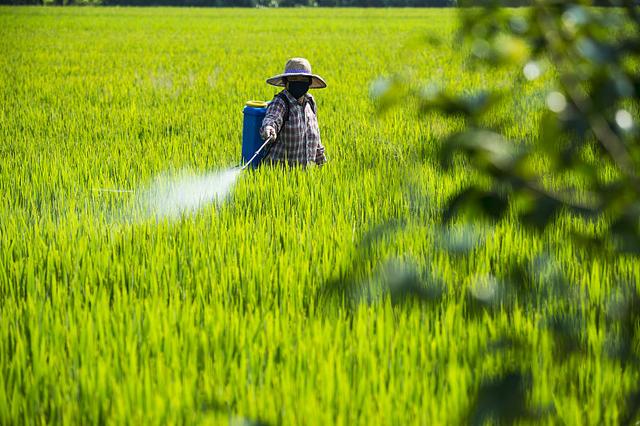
pixel 254 112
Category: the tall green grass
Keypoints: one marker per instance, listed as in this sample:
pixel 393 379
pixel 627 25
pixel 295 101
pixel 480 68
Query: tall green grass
pixel 107 317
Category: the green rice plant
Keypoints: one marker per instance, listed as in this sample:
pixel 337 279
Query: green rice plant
pixel 219 316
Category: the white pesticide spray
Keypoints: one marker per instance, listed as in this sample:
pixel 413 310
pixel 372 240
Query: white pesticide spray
pixel 173 196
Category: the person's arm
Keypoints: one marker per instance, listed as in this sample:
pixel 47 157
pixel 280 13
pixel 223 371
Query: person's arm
pixel 273 120
pixel 320 157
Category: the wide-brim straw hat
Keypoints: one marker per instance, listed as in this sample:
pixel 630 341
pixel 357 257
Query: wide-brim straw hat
pixel 297 67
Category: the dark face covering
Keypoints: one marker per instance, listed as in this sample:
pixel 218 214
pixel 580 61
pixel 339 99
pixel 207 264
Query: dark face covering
pixel 298 88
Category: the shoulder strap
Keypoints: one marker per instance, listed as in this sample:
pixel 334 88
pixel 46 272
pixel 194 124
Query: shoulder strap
pixel 313 105
pixel 282 96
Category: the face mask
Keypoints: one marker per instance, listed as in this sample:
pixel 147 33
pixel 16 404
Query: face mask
pixel 298 88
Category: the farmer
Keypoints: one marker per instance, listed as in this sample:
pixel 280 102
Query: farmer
pixel 291 120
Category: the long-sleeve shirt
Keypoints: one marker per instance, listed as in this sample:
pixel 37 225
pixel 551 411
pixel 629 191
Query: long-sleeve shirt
pixel 298 140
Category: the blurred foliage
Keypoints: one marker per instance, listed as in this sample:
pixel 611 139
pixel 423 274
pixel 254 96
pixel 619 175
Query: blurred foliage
pixel 592 106
pixel 590 57
pixel 397 278
pixel 503 398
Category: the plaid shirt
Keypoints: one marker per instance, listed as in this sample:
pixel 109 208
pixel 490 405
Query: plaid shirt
pixel 298 140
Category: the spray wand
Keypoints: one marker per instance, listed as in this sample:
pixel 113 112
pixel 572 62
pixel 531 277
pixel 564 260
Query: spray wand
pixel 257 152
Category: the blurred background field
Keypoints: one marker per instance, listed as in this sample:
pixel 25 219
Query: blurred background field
pixel 230 314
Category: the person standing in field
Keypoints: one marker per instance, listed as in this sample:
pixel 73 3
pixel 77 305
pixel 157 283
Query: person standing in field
pixel 290 120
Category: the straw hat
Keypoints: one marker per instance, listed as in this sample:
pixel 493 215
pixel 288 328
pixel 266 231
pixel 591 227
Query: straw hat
pixel 297 67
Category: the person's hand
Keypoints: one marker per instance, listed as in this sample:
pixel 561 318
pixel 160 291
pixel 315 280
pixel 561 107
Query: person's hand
pixel 270 133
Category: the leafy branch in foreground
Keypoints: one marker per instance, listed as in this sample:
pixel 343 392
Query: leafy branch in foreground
pixel 587 132
pixel 587 129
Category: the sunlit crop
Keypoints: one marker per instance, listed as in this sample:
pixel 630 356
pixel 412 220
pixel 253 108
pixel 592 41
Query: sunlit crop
pixel 112 311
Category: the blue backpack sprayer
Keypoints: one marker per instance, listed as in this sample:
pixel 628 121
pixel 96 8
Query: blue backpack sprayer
pixel 252 144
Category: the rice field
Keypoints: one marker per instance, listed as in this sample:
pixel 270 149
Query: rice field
pixel 109 315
